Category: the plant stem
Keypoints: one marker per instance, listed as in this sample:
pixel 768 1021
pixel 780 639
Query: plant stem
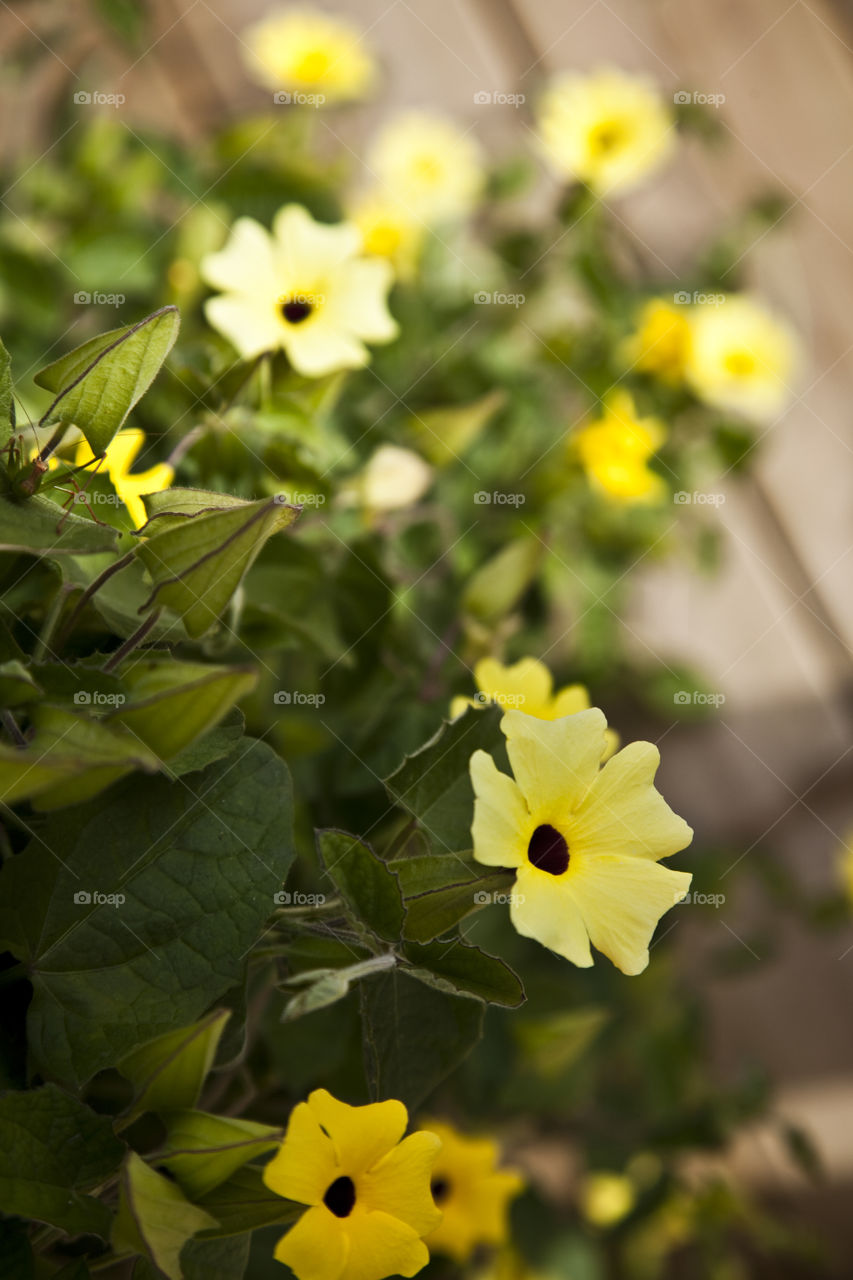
pixel 92 588
pixel 132 642
pixel 42 645
pixel 10 724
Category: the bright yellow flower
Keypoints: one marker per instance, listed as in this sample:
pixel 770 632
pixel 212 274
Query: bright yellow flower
pixel 472 1193
pixel 528 686
pixel 304 289
pixel 307 51
pixel 741 357
pixel 368 1191
pixel 389 231
pixel 585 840
pixel 608 129
pixel 607 1198
pixel 615 450
pixel 661 343
pixel 129 485
pixel 429 166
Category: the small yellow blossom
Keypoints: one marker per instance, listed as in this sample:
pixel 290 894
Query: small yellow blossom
pixel 616 448
pixel 393 478
pixel 305 51
pixel 585 839
pixel 367 1188
pixel 389 231
pixel 607 1198
pixel 528 686
pixel 429 166
pixel 129 485
pixel 304 289
pixel 661 343
pixel 608 129
pixel 741 357
pixel 472 1193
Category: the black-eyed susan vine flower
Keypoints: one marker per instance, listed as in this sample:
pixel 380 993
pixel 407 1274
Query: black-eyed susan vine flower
pixel 129 485
pixel 367 1189
pixel 615 450
pixel 528 686
pixel 741 357
pixel 585 840
pixel 660 344
pixel 306 51
pixel 608 129
pixel 433 169
pixel 472 1192
pixel 390 231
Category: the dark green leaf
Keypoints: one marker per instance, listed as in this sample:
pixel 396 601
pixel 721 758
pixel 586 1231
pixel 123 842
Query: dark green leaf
pixel 367 886
pixel 243 1203
pixel 154 1217
pixel 461 969
pixel 203 1150
pixel 169 1071
pixel 42 528
pixel 439 890
pixel 215 1259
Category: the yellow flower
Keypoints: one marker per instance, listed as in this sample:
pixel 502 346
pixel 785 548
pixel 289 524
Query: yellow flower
pixel 368 1191
pixel 661 343
pixel 306 51
pixel 528 686
pixel 304 289
pixel 616 448
pixel 432 169
pixel 472 1193
pixel 608 129
pixel 741 357
pixel 585 840
pixel 607 1198
pixel 393 478
pixel 130 486
pixel 389 231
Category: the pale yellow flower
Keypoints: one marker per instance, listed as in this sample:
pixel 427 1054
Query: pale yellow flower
pixel 393 478
pixel 429 166
pixel 608 129
pixel 660 345
pixel 615 450
pixel 741 357
pixel 129 485
pixel 305 51
pixel 388 231
pixel 305 288
pixel 607 1198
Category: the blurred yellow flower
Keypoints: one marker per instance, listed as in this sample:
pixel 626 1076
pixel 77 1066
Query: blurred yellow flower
pixel 609 129
pixel 429 166
pixel 393 478
pixel 472 1193
pixel 607 1198
pixel 130 486
pixel 305 51
pixel 367 1188
pixel 741 357
pixel 388 231
pixel 304 289
pixel 615 449
pixel 661 343
pixel 528 686
pixel 585 839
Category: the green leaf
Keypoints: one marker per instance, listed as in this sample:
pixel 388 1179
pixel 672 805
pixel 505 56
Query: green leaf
pixel 462 969
pixel 225 1259
pixel 17 685
pixel 173 703
pixel 5 395
pixel 169 1071
pixel 433 784
pixel 100 382
pixel 439 890
pixel 499 584
pixel 323 987
pixel 69 759
pixel 197 861
pixel 52 1150
pixel 413 1035
pixel 553 1044
pixel 445 434
pixel 203 1150
pixel 366 884
pixel 154 1217
pixel 215 745
pixel 243 1203
pixel 41 528
pixel 197 558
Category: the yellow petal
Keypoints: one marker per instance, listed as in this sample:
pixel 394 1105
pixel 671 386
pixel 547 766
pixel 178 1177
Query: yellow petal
pixel 317 349
pixel 358 301
pixel 380 1246
pixel 502 824
pixel 246 264
pixel 525 686
pixel 400 1183
pixel 623 812
pixel 543 908
pixel 554 761
pixel 569 701
pixel 461 704
pixel 621 900
pixel 251 327
pixel 304 1166
pixel 361 1135
pixel 316 1247
pixel 130 488
pixel 307 250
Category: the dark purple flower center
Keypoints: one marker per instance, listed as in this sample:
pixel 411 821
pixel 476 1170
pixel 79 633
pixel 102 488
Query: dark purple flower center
pixel 295 310
pixel 340 1197
pixel 548 850
pixel 440 1188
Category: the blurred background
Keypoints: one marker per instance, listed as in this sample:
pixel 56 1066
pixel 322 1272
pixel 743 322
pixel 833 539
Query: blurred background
pixel 769 771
